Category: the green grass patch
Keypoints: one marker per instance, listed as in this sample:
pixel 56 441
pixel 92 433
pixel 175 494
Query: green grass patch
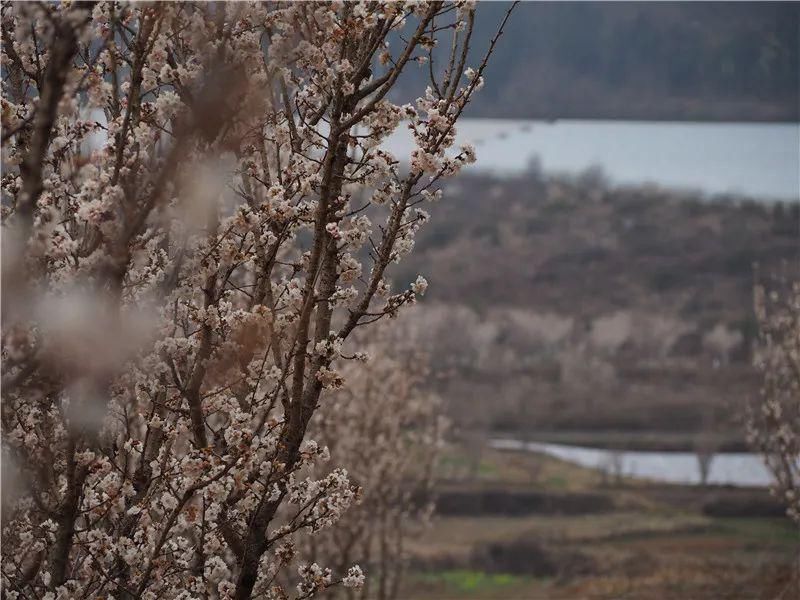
pixel 463 464
pixel 779 531
pixel 467 581
pixel 556 482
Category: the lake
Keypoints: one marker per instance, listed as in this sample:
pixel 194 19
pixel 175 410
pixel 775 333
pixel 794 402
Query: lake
pixel 755 159
pixel 729 468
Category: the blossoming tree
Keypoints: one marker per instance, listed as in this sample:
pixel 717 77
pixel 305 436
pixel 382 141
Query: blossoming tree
pixel 774 421
pixel 197 215
pixel 387 431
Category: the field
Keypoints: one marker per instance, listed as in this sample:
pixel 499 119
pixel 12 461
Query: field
pixel 596 538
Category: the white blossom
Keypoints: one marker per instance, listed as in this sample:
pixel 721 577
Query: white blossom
pixel 354 577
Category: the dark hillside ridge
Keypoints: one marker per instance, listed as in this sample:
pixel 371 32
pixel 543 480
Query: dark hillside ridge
pixel 705 61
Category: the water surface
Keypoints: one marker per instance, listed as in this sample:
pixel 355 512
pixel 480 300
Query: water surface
pixel 756 159
pixel 729 468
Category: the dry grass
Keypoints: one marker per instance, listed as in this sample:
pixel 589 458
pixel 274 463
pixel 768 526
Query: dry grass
pixel 649 548
pixel 516 469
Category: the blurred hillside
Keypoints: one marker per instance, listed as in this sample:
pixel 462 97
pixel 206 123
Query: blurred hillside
pixel 639 60
pixel 568 304
pixel 585 247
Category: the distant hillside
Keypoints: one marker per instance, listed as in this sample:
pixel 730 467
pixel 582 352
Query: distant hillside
pixel 569 304
pixel 581 246
pixel 640 60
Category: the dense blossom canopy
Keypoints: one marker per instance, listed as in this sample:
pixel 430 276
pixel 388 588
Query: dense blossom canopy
pixel 197 216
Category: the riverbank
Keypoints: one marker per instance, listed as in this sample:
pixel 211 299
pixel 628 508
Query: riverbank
pixel 639 441
pixel 700 466
pixel 583 535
